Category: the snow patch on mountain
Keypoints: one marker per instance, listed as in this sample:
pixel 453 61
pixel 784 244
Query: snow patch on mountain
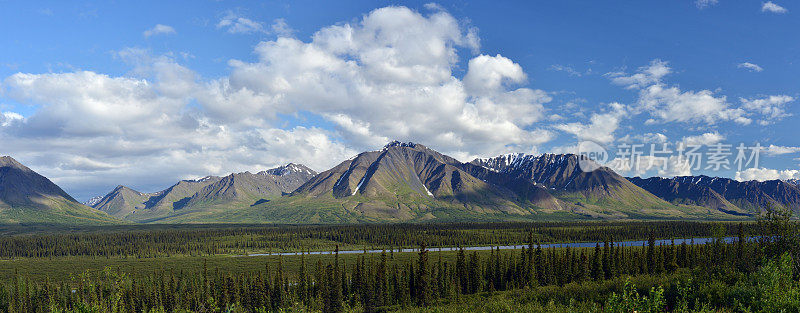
pixel 359 184
pixel 426 190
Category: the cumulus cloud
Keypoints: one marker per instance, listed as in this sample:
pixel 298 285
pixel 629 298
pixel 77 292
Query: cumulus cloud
pixel 667 103
pixel 488 74
pixel 705 139
pixel 100 131
pixel 670 104
pixel 771 7
pixel 750 67
pixel 388 75
pixel 780 150
pixel 645 75
pixel 764 174
pixel 773 108
pixel 601 126
pixel 159 29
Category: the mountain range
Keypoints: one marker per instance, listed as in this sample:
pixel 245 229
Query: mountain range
pixel 403 182
pixel 724 193
pixel 203 196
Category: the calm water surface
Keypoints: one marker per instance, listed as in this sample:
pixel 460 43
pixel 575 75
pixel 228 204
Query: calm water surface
pixel 697 241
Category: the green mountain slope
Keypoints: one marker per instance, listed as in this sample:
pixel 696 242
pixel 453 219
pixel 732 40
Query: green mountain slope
pixel 27 197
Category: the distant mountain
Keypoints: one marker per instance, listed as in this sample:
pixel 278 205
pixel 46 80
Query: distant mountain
pixel 751 196
pixel 600 192
pixel 122 201
pixel 679 192
pixel 211 193
pixel 748 197
pixel 27 197
pixel 795 182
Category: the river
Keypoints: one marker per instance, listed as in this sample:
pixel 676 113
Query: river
pixel 629 243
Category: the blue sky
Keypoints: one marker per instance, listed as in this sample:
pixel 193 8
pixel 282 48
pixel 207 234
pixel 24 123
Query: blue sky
pixel 95 94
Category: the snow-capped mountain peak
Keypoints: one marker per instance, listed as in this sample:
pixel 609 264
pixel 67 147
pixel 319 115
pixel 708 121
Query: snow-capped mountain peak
pixel 93 201
pixel 288 169
pixel 200 180
pixel 397 143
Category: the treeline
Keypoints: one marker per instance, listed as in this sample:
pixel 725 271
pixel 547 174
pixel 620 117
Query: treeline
pixel 157 241
pixel 372 283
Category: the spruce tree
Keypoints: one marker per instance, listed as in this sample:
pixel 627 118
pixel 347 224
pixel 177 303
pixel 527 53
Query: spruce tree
pixel 597 263
pixel 461 271
pixel 651 254
pixel 423 291
pixel 382 281
pixel 474 270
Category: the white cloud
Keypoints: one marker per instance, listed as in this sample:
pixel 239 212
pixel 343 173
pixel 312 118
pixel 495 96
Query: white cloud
pixel 645 76
pixel 601 126
pixel 389 75
pixel 702 4
pixel 764 174
pixel 705 139
pixel 92 146
pixel 433 6
pixel 773 108
pixel 9 118
pixel 281 28
pixel 750 67
pixel 671 104
pixel 771 7
pixel 85 164
pixel 235 24
pixel 159 29
pixel 644 138
pixel 567 69
pixel 780 150
pixel 489 74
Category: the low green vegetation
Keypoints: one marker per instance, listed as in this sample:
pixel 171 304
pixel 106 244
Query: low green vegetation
pixel 149 241
pixel 756 272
